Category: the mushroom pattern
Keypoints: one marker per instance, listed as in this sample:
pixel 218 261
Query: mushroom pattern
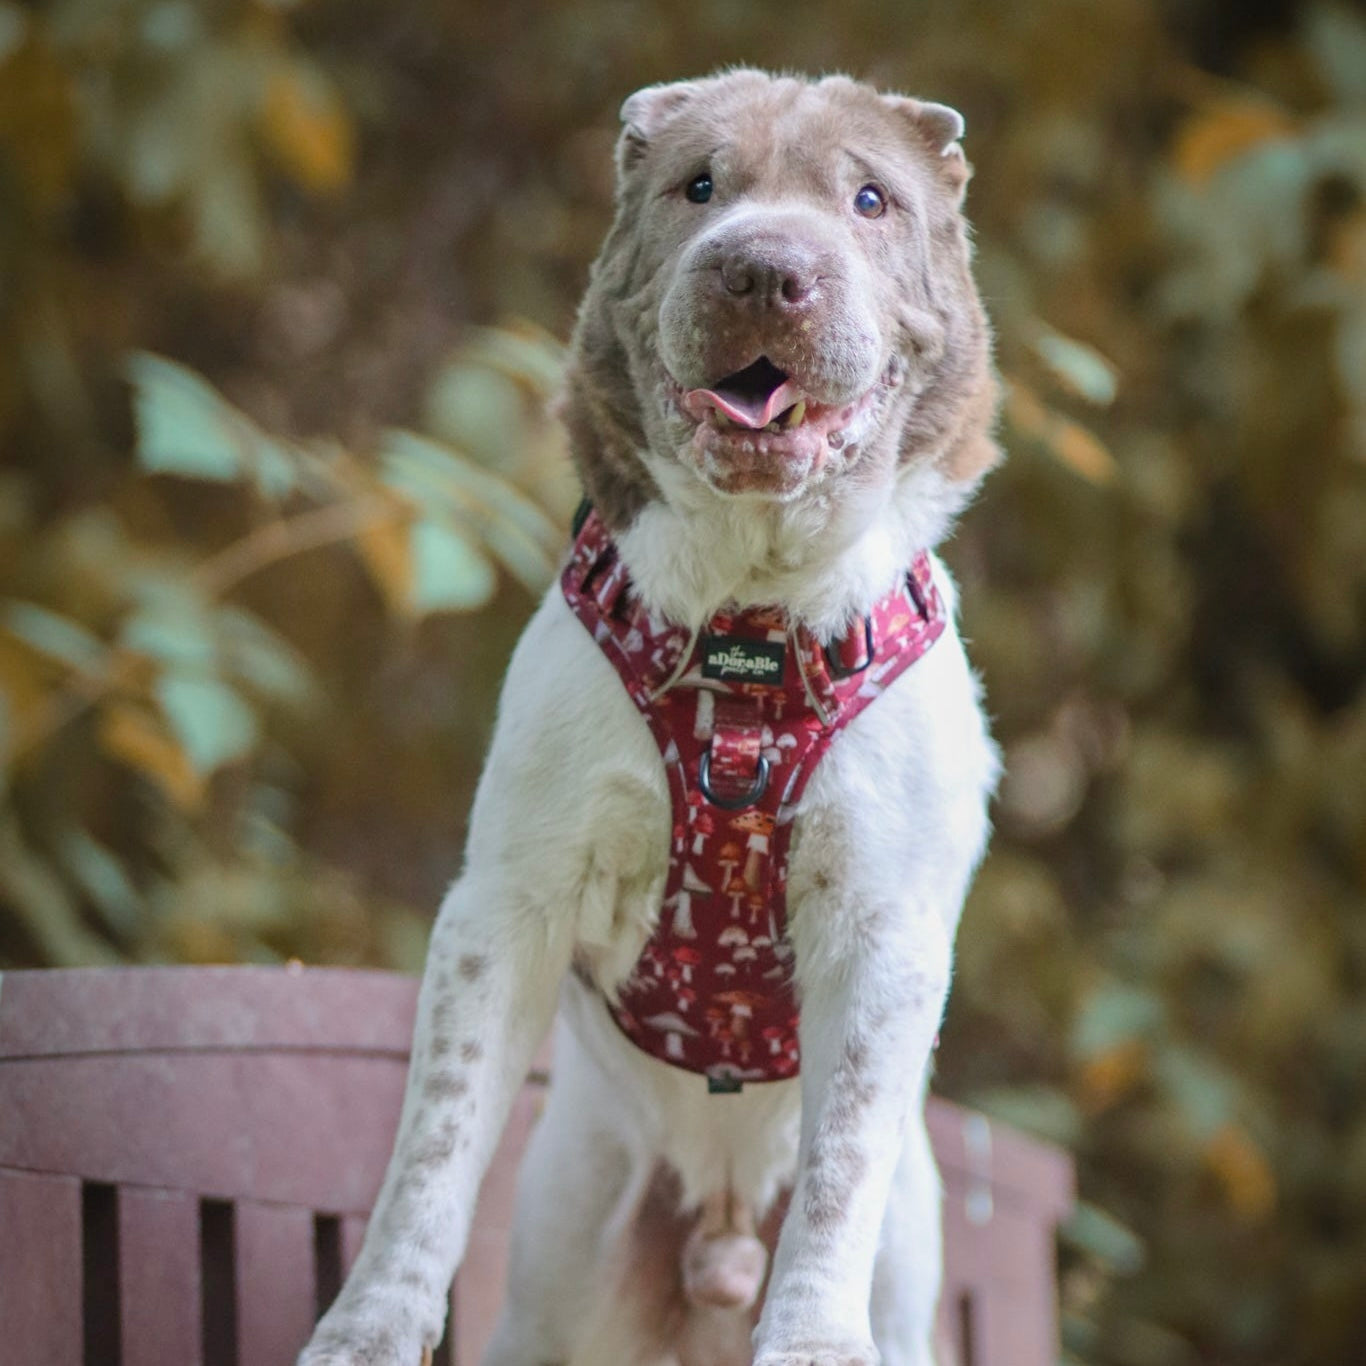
pixel 674 1028
pixel 758 825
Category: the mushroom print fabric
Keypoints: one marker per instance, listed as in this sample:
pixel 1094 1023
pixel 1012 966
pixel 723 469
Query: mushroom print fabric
pixel 742 712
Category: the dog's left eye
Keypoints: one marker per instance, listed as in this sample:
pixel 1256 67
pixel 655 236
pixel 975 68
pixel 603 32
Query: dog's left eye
pixel 699 188
pixel 870 202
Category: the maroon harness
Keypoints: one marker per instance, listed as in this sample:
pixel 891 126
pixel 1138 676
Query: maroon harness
pixel 742 714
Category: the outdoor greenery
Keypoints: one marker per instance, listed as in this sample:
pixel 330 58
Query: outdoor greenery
pixel 281 288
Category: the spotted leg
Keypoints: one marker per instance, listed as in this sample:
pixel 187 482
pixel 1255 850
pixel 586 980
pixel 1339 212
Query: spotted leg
pixel 486 1000
pixel 869 1016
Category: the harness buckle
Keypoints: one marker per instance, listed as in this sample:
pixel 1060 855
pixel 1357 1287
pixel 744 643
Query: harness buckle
pixel 837 667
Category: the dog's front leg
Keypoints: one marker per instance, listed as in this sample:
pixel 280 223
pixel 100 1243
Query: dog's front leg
pixel 487 997
pixel 869 1015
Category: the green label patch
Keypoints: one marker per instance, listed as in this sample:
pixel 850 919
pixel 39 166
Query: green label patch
pixel 729 659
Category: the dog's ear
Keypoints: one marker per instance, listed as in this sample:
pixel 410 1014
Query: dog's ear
pixel 940 129
pixel 645 113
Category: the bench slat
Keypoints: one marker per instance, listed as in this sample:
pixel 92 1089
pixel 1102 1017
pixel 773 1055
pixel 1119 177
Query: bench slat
pixel 159 1277
pixel 276 1289
pixel 40 1268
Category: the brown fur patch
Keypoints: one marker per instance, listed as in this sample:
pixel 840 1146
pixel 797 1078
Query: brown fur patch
pixel 471 1050
pixel 472 967
pixel 443 1084
pixel 436 1149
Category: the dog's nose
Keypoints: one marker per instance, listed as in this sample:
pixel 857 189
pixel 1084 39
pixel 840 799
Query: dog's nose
pixel 779 276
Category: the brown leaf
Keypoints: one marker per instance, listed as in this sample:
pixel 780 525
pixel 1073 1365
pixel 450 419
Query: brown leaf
pixel 134 737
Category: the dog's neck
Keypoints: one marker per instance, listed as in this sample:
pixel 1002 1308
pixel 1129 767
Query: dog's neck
pixel 825 561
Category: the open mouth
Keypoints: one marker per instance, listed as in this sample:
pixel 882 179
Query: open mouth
pixel 763 408
pixel 759 397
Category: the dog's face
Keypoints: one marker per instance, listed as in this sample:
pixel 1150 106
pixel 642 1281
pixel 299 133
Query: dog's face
pixel 784 302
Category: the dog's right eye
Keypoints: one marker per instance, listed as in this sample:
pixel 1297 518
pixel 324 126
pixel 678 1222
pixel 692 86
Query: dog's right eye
pixel 699 188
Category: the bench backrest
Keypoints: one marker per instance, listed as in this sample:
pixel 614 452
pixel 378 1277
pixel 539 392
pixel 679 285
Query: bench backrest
pixel 188 1156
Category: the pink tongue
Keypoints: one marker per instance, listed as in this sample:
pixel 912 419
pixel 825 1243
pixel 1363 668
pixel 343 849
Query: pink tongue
pixel 748 412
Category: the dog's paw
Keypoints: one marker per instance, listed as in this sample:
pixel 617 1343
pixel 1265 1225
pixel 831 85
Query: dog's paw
pixel 377 1353
pixel 820 1355
pixel 343 1344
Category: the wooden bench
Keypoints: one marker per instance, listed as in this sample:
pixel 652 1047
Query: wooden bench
pixel 187 1157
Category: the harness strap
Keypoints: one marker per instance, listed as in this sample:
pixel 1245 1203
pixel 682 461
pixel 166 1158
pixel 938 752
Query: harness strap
pixel 742 713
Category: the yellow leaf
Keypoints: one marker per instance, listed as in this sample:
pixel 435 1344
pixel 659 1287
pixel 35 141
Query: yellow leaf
pixel 307 129
pixel 24 680
pixel 386 549
pixel 1083 452
pixel 1224 130
pixel 132 736
pixel 1071 443
pixel 1110 1076
pixel 1243 1171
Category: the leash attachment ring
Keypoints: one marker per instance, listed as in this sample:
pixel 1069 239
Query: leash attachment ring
pixel 739 803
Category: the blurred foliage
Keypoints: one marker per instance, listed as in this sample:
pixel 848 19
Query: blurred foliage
pixel 276 500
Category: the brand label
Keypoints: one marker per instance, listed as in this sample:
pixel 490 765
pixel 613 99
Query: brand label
pixel 731 660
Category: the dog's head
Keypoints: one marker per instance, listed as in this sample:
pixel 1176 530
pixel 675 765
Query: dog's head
pixel 784 306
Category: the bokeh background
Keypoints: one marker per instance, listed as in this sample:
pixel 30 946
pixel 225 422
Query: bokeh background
pixel 283 288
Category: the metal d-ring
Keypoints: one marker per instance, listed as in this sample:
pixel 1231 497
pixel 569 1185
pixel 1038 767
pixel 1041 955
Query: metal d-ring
pixel 840 670
pixel 731 803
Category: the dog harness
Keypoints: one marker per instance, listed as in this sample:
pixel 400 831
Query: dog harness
pixel 742 712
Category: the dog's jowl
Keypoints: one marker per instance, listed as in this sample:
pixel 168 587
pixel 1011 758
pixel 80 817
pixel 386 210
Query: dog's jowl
pixel 738 784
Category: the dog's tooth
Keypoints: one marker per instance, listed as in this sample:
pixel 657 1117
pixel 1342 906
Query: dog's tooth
pixel 774 426
pixel 797 413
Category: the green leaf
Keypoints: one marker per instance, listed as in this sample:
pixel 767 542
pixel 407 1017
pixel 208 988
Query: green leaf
pixel 1093 1230
pixel 170 624
pixel 1081 369
pixel 184 427
pixel 449 574
pixel 212 723
pixel 43 906
pixel 524 353
pixel 100 875
pixel 56 636
pixel 477 409
pixel 1042 1110
pixel 514 528
pixel 1200 1088
pixel 262 659
pixel 1113 1015
pixel 276 468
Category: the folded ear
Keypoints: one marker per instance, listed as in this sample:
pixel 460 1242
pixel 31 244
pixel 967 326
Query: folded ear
pixel 939 128
pixel 645 113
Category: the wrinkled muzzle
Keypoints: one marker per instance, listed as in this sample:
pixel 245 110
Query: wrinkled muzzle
pixel 768 307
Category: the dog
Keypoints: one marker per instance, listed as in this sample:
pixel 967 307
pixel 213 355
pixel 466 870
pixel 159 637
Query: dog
pixel 745 719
